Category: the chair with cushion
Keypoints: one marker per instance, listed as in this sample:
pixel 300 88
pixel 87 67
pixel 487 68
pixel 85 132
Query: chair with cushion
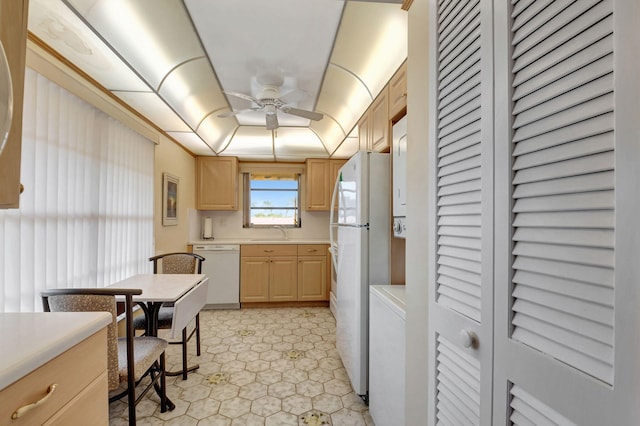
pixel 175 263
pixel 130 358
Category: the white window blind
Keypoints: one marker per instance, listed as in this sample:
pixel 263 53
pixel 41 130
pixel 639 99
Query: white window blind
pixel 86 214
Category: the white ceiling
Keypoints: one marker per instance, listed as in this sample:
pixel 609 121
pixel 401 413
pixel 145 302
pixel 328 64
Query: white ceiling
pixel 171 59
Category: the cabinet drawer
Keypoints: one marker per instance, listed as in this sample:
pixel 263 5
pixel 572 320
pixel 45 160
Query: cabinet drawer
pixel 90 407
pixel 71 371
pixel 269 250
pixel 312 249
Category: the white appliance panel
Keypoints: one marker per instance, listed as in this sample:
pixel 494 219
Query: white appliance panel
pixel 222 266
pixel 387 339
pixel 351 339
pixel 399 146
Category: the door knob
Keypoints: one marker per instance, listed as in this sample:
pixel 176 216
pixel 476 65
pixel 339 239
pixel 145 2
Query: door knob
pixel 468 339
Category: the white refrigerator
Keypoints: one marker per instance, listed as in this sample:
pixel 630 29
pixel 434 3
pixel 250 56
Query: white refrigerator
pixel 360 238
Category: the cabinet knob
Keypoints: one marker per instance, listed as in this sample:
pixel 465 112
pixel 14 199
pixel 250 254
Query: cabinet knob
pixel 468 339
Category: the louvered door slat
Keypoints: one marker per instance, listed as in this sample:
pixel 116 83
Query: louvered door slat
pixel 460 166
pixel 456 100
pixel 458 383
pixel 468 22
pixel 565 84
pixel 459 231
pixel 587 110
pixel 469 106
pixel 574 167
pixel 462 286
pixel 587 219
pixel 566 287
pixel 582 255
pixel 530 13
pixel 581 148
pixel 584 183
pixel 459 188
pixel 558 23
pixel 459 241
pixel 520 6
pixel 460 253
pixel 594 126
pixel 561 102
pixel 459 210
pixel 470 117
pixel 566 202
pixel 527 408
pixel 551 68
pixel 462 275
pixel 461 59
pixel 587 274
pixel 456 97
pixel 471 129
pixel 580 326
pixel 462 198
pixel 578 237
pixel 462 154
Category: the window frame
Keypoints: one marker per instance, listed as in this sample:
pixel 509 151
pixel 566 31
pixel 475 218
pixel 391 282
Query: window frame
pixel 246 194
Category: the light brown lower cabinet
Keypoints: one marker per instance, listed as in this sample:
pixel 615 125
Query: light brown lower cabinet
pixel 80 392
pixel 283 273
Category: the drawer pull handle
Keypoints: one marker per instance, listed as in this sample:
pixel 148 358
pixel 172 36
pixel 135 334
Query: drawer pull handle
pixel 311 250
pixel 25 408
pixel 268 251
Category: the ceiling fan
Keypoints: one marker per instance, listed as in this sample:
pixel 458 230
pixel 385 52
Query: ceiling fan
pixel 270 101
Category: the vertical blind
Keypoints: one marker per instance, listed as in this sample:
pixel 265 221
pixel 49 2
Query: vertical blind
pixel 86 213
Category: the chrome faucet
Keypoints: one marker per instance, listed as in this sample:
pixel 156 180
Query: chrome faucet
pixel 283 230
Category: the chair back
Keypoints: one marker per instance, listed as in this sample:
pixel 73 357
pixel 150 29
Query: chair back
pixel 94 300
pixel 94 303
pixel 177 263
pixel 187 307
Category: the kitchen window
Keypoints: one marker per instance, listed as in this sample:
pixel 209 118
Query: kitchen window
pixel 271 199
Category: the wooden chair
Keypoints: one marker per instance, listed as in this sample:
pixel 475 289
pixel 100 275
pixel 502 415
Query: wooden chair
pixel 176 263
pixel 130 358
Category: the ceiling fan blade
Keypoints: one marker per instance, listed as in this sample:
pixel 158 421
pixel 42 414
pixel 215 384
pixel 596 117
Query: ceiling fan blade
pixel 311 115
pixel 272 122
pixel 242 96
pixel 296 95
pixel 232 113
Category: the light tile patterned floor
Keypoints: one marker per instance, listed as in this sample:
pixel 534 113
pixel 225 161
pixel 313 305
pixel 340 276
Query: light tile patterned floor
pixel 268 367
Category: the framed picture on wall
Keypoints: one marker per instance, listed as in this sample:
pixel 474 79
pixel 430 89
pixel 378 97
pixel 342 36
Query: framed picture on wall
pixel 169 199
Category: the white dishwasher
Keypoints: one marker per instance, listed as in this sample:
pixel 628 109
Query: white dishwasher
pixel 222 266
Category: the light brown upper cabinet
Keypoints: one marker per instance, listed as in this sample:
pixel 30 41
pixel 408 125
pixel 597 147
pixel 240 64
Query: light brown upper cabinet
pixel 398 92
pixel 373 127
pixel 13 33
pixel 217 183
pixel 321 174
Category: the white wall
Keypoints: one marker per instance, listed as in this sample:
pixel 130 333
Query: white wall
pixel 417 237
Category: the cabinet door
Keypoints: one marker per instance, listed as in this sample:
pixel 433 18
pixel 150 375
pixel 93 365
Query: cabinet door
pixel 380 122
pixel 317 192
pixel 283 279
pixel 13 33
pixel 312 277
pixel 398 92
pixel 364 131
pixel 254 279
pixel 217 183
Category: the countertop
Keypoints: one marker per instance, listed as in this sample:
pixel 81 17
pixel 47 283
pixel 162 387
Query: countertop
pixel 33 339
pixel 242 241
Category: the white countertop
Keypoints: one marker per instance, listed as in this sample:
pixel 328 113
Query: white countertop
pixel 32 339
pixel 256 241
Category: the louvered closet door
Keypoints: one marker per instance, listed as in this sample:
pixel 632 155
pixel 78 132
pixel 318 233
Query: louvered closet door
pixel 566 213
pixel 460 303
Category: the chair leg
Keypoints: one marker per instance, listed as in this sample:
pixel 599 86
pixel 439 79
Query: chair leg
pixel 184 354
pixel 198 333
pixel 163 385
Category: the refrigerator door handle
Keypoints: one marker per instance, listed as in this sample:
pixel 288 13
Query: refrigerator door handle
pixel 333 224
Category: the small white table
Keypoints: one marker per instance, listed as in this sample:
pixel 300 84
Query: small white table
pixel 156 290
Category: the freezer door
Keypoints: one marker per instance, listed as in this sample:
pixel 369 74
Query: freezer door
pixel 352 191
pixel 352 305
